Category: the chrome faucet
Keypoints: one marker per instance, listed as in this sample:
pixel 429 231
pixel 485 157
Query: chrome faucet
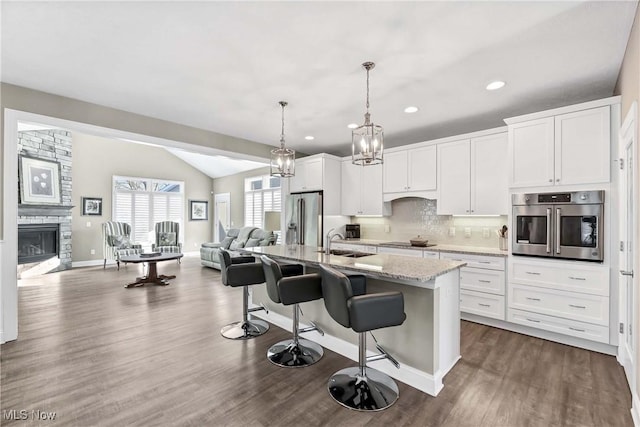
pixel 329 238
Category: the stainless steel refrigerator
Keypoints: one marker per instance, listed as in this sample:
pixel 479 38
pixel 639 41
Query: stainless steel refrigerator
pixel 304 219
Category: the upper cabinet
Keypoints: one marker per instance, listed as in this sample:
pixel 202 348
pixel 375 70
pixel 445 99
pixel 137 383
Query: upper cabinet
pixel 362 190
pixel 320 172
pixel 564 149
pixel 410 170
pixel 472 176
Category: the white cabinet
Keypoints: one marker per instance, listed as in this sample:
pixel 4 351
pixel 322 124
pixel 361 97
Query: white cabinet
pixel 362 190
pixel 370 249
pixel 571 148
pixel 320 172
pixel 472 176
pixel 564 297
pixel 410 170
pixel 482 284
pixel 416 253
pixel 309 174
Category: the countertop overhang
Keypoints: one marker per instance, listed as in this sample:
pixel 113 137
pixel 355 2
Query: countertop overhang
pixel 420 272
pixel 458 249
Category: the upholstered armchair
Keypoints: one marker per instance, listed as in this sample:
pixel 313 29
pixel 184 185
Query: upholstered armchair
pixel 167 237
pixel 116 237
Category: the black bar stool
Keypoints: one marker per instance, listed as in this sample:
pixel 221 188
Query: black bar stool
pixel 362 388
pixel 296 352
pixel 242 271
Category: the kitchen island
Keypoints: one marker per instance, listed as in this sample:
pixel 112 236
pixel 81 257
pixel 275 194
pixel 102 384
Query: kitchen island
pixel 427 345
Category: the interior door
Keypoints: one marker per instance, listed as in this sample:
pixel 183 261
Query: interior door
pixel 221 215
pixel 628 248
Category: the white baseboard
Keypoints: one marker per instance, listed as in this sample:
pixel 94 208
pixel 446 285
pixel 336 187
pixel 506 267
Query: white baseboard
pixel 90 263
pixel 416 378
pixel 635 408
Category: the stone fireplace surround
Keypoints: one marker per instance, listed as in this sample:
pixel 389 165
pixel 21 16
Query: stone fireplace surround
pixel 53 145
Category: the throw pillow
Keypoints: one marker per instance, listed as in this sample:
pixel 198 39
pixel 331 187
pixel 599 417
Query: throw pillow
pixel 226 242
pixel 251 243
pixel 123 242
pixel 236 244
pixel 114 239
pixel 167 239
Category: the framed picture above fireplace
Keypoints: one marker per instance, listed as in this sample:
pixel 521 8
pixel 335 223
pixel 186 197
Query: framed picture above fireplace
pixel 39 181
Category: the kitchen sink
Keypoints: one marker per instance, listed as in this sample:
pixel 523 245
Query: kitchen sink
pixel 349 254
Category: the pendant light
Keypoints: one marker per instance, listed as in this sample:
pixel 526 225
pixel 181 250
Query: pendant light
pixel 283 160
pixel 367 140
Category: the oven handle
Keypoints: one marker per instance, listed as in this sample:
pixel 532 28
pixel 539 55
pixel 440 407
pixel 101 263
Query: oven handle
pixel 558 215
pixel 548 230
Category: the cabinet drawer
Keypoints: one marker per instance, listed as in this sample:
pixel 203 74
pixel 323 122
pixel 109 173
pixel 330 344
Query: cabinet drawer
pixel 482 280
pixel 569 305
pixel 584 279
pixel 400 251
pixel 561 326
pixel 482 304
pixel 478 261
pixel 431 254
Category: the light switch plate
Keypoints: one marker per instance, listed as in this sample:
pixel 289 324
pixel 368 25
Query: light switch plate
pixel 467 232
pixel 387 228
pixel 88 223
pixel 485 233
pixel 452 231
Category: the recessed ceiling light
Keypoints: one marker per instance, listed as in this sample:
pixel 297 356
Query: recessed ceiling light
pixel 309 138
pixel 495 85
pixel 411 109
pixel 352 125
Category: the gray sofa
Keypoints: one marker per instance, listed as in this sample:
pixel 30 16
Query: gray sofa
pixel 237 238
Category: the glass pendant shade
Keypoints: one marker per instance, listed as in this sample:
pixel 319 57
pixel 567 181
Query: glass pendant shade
pixel 283 160
pixel 367 140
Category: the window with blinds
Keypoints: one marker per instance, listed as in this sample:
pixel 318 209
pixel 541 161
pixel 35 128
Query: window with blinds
pixel 261 194
pixel 143 202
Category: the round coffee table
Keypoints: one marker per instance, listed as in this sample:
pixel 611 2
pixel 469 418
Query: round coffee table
pixel 152 276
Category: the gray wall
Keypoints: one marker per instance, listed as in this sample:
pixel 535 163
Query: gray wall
pixel 96 160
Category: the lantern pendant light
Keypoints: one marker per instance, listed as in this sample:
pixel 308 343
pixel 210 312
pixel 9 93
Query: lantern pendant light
pixel 367 140
pixel 283 160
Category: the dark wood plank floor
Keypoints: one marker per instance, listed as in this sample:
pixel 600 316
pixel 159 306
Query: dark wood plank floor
pixel 98 354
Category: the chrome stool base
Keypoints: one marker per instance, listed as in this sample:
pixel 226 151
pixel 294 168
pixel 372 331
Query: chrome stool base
pixel 244 330
pixel 288 355
pixel 373 392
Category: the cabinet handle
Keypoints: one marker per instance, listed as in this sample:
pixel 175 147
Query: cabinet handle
pixel 576 329
pixel 577 306
pixel 484 262
pixel 533 299
pixel 532 320
pixel 484 281
pixel 467 211
pixel 472 210
pixel 557 179
pixel 550 180
pixel 484 305
pixel 577 278
pixel 534 273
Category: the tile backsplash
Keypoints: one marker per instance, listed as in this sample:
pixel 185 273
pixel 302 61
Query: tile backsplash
pixel 412 216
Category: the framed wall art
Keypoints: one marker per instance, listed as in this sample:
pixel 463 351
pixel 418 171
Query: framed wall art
pixel 39 181
pixel 198 210
pixel 92 206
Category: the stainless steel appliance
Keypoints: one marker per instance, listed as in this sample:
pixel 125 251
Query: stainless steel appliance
pixel 560 225
pixel 304 219
pixel 352 231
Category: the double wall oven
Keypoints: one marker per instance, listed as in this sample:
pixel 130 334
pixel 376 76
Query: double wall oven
pixel 560 225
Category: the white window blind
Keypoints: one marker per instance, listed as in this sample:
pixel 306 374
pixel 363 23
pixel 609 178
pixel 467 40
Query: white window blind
pixel 142 202
pixel 261 193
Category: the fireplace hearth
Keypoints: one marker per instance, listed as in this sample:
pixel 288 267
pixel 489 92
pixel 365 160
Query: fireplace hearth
pixel 37 242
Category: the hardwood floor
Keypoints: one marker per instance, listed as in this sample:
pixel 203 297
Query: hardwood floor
pixel 96 353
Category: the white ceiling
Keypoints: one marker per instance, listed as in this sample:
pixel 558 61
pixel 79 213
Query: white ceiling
pixel 224 66
pixel 216 166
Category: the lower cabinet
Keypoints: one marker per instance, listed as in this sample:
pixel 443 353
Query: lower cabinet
pixel 563 297
pixel 400 251
pixel 482 284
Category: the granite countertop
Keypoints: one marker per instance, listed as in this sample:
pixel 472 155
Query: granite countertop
pixel 413 271
pixel 458 249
